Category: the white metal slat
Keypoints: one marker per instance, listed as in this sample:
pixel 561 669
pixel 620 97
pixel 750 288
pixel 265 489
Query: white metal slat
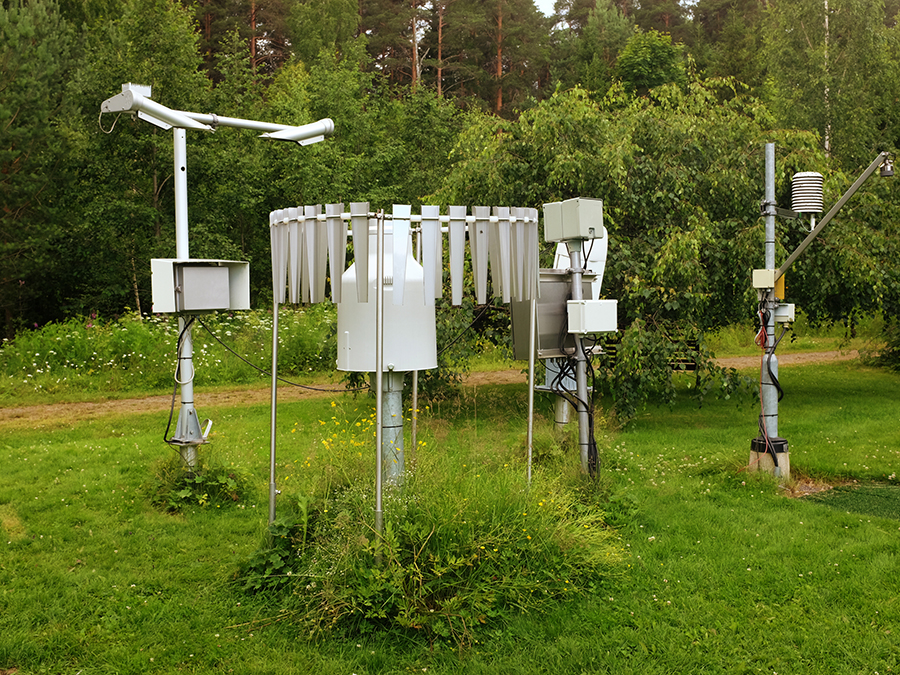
pixel 478 246
pixel 432 252
pixel 359 221
pixel 400 240
pixel 337 247
pixel 457 233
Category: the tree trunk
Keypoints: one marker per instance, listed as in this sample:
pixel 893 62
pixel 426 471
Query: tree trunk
pixel 137 293
pixel 827 82
pixel 253 36
pixel 499 71
pixel 440 54
pixel 415 46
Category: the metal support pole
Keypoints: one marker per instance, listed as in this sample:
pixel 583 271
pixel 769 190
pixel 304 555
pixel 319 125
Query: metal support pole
pixel 181 203
pixel 272 489
pixel 414 417
pixel 561 412
pixel 769 392
pixel 379 368
pixel 768 451
pixel 187 430
pixel 531 349
pixel 581 396
pixel 392 423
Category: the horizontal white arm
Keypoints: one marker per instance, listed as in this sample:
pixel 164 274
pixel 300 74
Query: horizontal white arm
pixel 132 101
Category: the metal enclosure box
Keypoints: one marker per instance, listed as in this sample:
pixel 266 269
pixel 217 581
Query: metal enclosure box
pixel 764 278
pixel 784 313
pixel 552 315
pixel 592 316
pixel 199 285
pixel 201 288
pixel 578 218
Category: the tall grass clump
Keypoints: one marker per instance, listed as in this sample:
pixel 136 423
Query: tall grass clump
pixel 133 353
pixel 175 488
pixel 465 546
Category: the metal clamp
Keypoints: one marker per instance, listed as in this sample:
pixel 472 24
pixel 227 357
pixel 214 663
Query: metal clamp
pixel 767 208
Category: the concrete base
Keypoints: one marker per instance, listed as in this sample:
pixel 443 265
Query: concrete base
pixel 762 461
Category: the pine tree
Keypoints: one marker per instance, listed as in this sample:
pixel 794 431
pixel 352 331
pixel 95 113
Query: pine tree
pixel 34 49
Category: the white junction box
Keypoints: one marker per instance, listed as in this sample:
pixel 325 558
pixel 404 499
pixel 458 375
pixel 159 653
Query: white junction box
pixel 592 316
pixel 764 278
pixel 196 286
pixel 784 313
pixel 578 218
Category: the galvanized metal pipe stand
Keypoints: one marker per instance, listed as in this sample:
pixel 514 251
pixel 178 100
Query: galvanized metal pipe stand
pixel 581 389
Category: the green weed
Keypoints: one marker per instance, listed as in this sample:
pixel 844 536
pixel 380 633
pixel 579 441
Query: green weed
pixel 462 550
pixel 175 487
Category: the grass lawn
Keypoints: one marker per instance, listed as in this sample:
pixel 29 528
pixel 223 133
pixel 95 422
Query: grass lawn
pixel 722 572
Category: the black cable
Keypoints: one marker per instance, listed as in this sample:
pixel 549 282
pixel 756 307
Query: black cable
pixel 269 374
pixel 465 330
pixel 772 376
pixel 593 455
pixel 187 324
pixel 584 260
pixel 568 368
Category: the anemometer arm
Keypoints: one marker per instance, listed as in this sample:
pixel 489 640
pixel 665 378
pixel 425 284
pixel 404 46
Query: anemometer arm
pixel 881 160
pixel 135 99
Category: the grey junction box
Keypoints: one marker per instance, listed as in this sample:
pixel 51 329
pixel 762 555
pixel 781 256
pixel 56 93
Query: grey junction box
pixel 199 285
pixel 578 218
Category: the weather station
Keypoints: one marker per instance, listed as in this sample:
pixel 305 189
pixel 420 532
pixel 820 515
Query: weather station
pixel 386 298
pixel 183 285
pixel 567 312
pixel 768 451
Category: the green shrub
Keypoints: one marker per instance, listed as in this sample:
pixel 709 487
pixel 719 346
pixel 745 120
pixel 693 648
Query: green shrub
pixel 463 548
pixel 889 355
pixel 272 565
pixel 642 364
pixel 175 487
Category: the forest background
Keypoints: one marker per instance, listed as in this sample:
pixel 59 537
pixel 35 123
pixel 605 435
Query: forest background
pixel 659 108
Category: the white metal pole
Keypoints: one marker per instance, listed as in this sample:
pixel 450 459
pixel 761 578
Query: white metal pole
pixel 769 391
pixel 187 430
pixel 272 489
pixel 379 368
pixel 531 349
pixel 181 199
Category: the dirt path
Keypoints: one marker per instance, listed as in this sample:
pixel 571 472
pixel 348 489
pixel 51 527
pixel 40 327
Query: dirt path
pixel 36 416
pixel 790 359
